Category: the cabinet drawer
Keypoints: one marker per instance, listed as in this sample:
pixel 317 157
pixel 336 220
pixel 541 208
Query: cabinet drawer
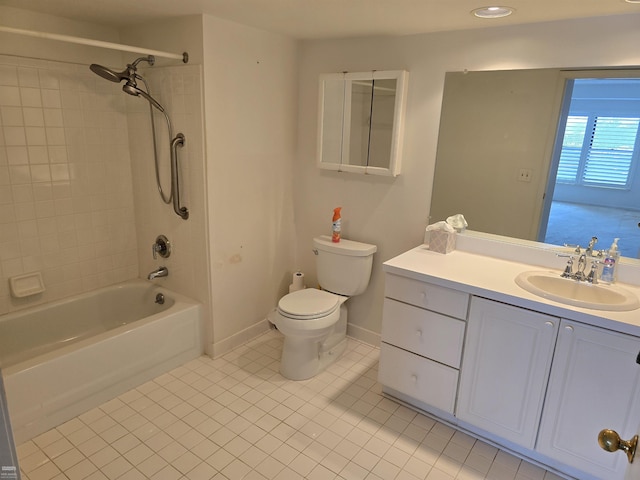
pixel 425 380
pixel 425 295
pixel 423 332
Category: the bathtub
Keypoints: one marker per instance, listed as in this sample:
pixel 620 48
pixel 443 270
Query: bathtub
pixel 61 359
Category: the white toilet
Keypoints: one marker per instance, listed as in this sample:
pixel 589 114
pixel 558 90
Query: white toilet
pixel 313 321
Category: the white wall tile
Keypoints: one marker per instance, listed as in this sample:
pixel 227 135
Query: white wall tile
pixel 59 184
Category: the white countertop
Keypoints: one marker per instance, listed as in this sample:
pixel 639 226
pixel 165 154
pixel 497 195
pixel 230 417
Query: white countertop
pixel 494 278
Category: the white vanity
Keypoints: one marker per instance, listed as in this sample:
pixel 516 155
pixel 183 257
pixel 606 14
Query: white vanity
pixel 463 342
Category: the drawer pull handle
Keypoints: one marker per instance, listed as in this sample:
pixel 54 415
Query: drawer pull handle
pixel 419 333
pixel 569 329
pixel 549 324
pixel 414 377
pixel 423 295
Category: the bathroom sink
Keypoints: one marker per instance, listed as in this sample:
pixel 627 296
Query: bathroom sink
pixel 580 294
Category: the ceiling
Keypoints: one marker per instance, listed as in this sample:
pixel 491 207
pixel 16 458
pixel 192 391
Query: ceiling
pixel 314 19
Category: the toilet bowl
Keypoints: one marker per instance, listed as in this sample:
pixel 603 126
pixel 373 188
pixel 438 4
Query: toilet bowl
pixel 314 325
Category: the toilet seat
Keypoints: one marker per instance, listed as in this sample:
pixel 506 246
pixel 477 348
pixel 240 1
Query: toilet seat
pixel 308 304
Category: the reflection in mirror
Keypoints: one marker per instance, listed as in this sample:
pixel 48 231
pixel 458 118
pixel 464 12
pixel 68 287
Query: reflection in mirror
pixel 382 112
pixel 332 94
pixel 361 107
pixel 361 122
pixel 499 132
pixel 372 108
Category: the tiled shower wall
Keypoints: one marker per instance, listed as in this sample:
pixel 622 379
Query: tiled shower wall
pixel 66 195
pixel 178 88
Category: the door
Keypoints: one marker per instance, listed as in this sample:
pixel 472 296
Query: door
pixel 505 368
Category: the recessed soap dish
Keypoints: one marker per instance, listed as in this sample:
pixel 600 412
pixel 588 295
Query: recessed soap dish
pixel 26 284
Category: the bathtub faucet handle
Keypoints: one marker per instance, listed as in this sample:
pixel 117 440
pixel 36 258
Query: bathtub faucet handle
pixel 161 247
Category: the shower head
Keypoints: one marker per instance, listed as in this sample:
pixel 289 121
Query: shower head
pixel 132 89
pixel 130 75
pixel 109 74
pixel 126 74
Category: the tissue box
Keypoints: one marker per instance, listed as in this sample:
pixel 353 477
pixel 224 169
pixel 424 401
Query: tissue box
pixel 442 242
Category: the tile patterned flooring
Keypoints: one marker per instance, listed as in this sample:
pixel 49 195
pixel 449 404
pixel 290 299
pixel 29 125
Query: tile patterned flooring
pixel 236 417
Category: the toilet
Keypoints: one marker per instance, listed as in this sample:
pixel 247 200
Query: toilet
pixel 314 321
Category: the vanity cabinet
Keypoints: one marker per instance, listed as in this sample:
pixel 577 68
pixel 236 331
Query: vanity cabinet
pixel 506 365
pixel 541 385
pixel 594 384
pixel 422 337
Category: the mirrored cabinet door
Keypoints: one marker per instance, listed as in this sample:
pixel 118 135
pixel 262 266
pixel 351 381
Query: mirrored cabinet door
pixel 361 118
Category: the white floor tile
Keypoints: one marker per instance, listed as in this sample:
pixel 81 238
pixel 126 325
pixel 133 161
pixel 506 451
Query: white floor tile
pixel 236 417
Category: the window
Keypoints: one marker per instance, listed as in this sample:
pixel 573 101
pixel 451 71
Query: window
pixel 598 150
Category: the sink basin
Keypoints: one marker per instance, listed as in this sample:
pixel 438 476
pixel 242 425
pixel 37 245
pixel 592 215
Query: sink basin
pixel 580 294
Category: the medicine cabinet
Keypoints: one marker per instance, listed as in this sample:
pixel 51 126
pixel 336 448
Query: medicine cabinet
pixel 361 120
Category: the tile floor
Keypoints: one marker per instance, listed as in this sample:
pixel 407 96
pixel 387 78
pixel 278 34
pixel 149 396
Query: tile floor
pixel 235 417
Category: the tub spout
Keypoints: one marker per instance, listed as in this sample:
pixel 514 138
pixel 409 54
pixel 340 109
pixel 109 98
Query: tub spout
pixel 160 272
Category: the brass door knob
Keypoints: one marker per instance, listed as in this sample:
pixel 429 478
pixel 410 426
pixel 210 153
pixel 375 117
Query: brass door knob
pixel 610 441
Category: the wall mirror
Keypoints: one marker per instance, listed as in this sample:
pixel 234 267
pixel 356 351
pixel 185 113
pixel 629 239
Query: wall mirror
pixel 548 155
pixel 361 120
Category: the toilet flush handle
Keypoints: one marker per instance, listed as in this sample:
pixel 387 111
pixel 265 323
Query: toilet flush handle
pixel 315 251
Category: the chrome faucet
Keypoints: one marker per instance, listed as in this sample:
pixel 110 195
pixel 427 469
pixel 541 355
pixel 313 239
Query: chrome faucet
pixel 578 274
pixel 589 250
pixel 160 272
pixel 582 264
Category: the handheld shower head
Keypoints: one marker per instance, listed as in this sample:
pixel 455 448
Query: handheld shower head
pixel 132 89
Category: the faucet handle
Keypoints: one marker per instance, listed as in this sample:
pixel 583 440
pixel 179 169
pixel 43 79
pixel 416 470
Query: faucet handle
pixel 568 270
pixel 593 273
pixel 161 247
pixel 577 247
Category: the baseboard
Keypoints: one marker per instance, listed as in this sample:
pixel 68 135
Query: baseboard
pixel 226 345
pixel 363 335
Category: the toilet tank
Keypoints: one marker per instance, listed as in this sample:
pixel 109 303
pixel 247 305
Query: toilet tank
pixel 344 267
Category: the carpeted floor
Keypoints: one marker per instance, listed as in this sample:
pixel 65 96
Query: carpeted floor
pixel 575 224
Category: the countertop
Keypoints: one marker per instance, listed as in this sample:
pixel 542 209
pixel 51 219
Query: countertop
pixel 494 278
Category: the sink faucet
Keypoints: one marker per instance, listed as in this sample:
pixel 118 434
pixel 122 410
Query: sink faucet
pixel 589 250
pixel 578 274
pixel 582 263
pixel 160 272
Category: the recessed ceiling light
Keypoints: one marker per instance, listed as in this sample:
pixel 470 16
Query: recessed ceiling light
pixel 493 12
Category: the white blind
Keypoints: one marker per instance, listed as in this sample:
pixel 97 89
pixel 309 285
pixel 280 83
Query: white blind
pixel 571 154
pixel 598 150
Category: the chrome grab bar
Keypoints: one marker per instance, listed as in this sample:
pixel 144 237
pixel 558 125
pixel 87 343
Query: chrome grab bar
pixel 175 188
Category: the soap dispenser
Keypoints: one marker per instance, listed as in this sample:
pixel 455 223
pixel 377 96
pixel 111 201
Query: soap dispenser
pixel 610 264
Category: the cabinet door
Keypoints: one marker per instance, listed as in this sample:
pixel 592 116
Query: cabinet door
pixel 633 469
pixel 594 384
pixel 505 368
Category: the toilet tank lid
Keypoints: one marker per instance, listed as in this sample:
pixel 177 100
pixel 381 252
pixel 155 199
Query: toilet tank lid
pixel 344 247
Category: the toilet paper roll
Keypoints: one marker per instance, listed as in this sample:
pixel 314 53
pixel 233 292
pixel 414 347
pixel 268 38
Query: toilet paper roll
pixel 297 282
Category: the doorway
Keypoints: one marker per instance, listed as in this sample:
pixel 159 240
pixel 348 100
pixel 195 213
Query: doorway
pixel 594 184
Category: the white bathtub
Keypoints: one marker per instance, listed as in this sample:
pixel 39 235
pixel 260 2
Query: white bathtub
pixel 62 359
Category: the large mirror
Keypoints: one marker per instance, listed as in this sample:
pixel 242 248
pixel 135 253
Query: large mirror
pixel 360 121
pixel 548 155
